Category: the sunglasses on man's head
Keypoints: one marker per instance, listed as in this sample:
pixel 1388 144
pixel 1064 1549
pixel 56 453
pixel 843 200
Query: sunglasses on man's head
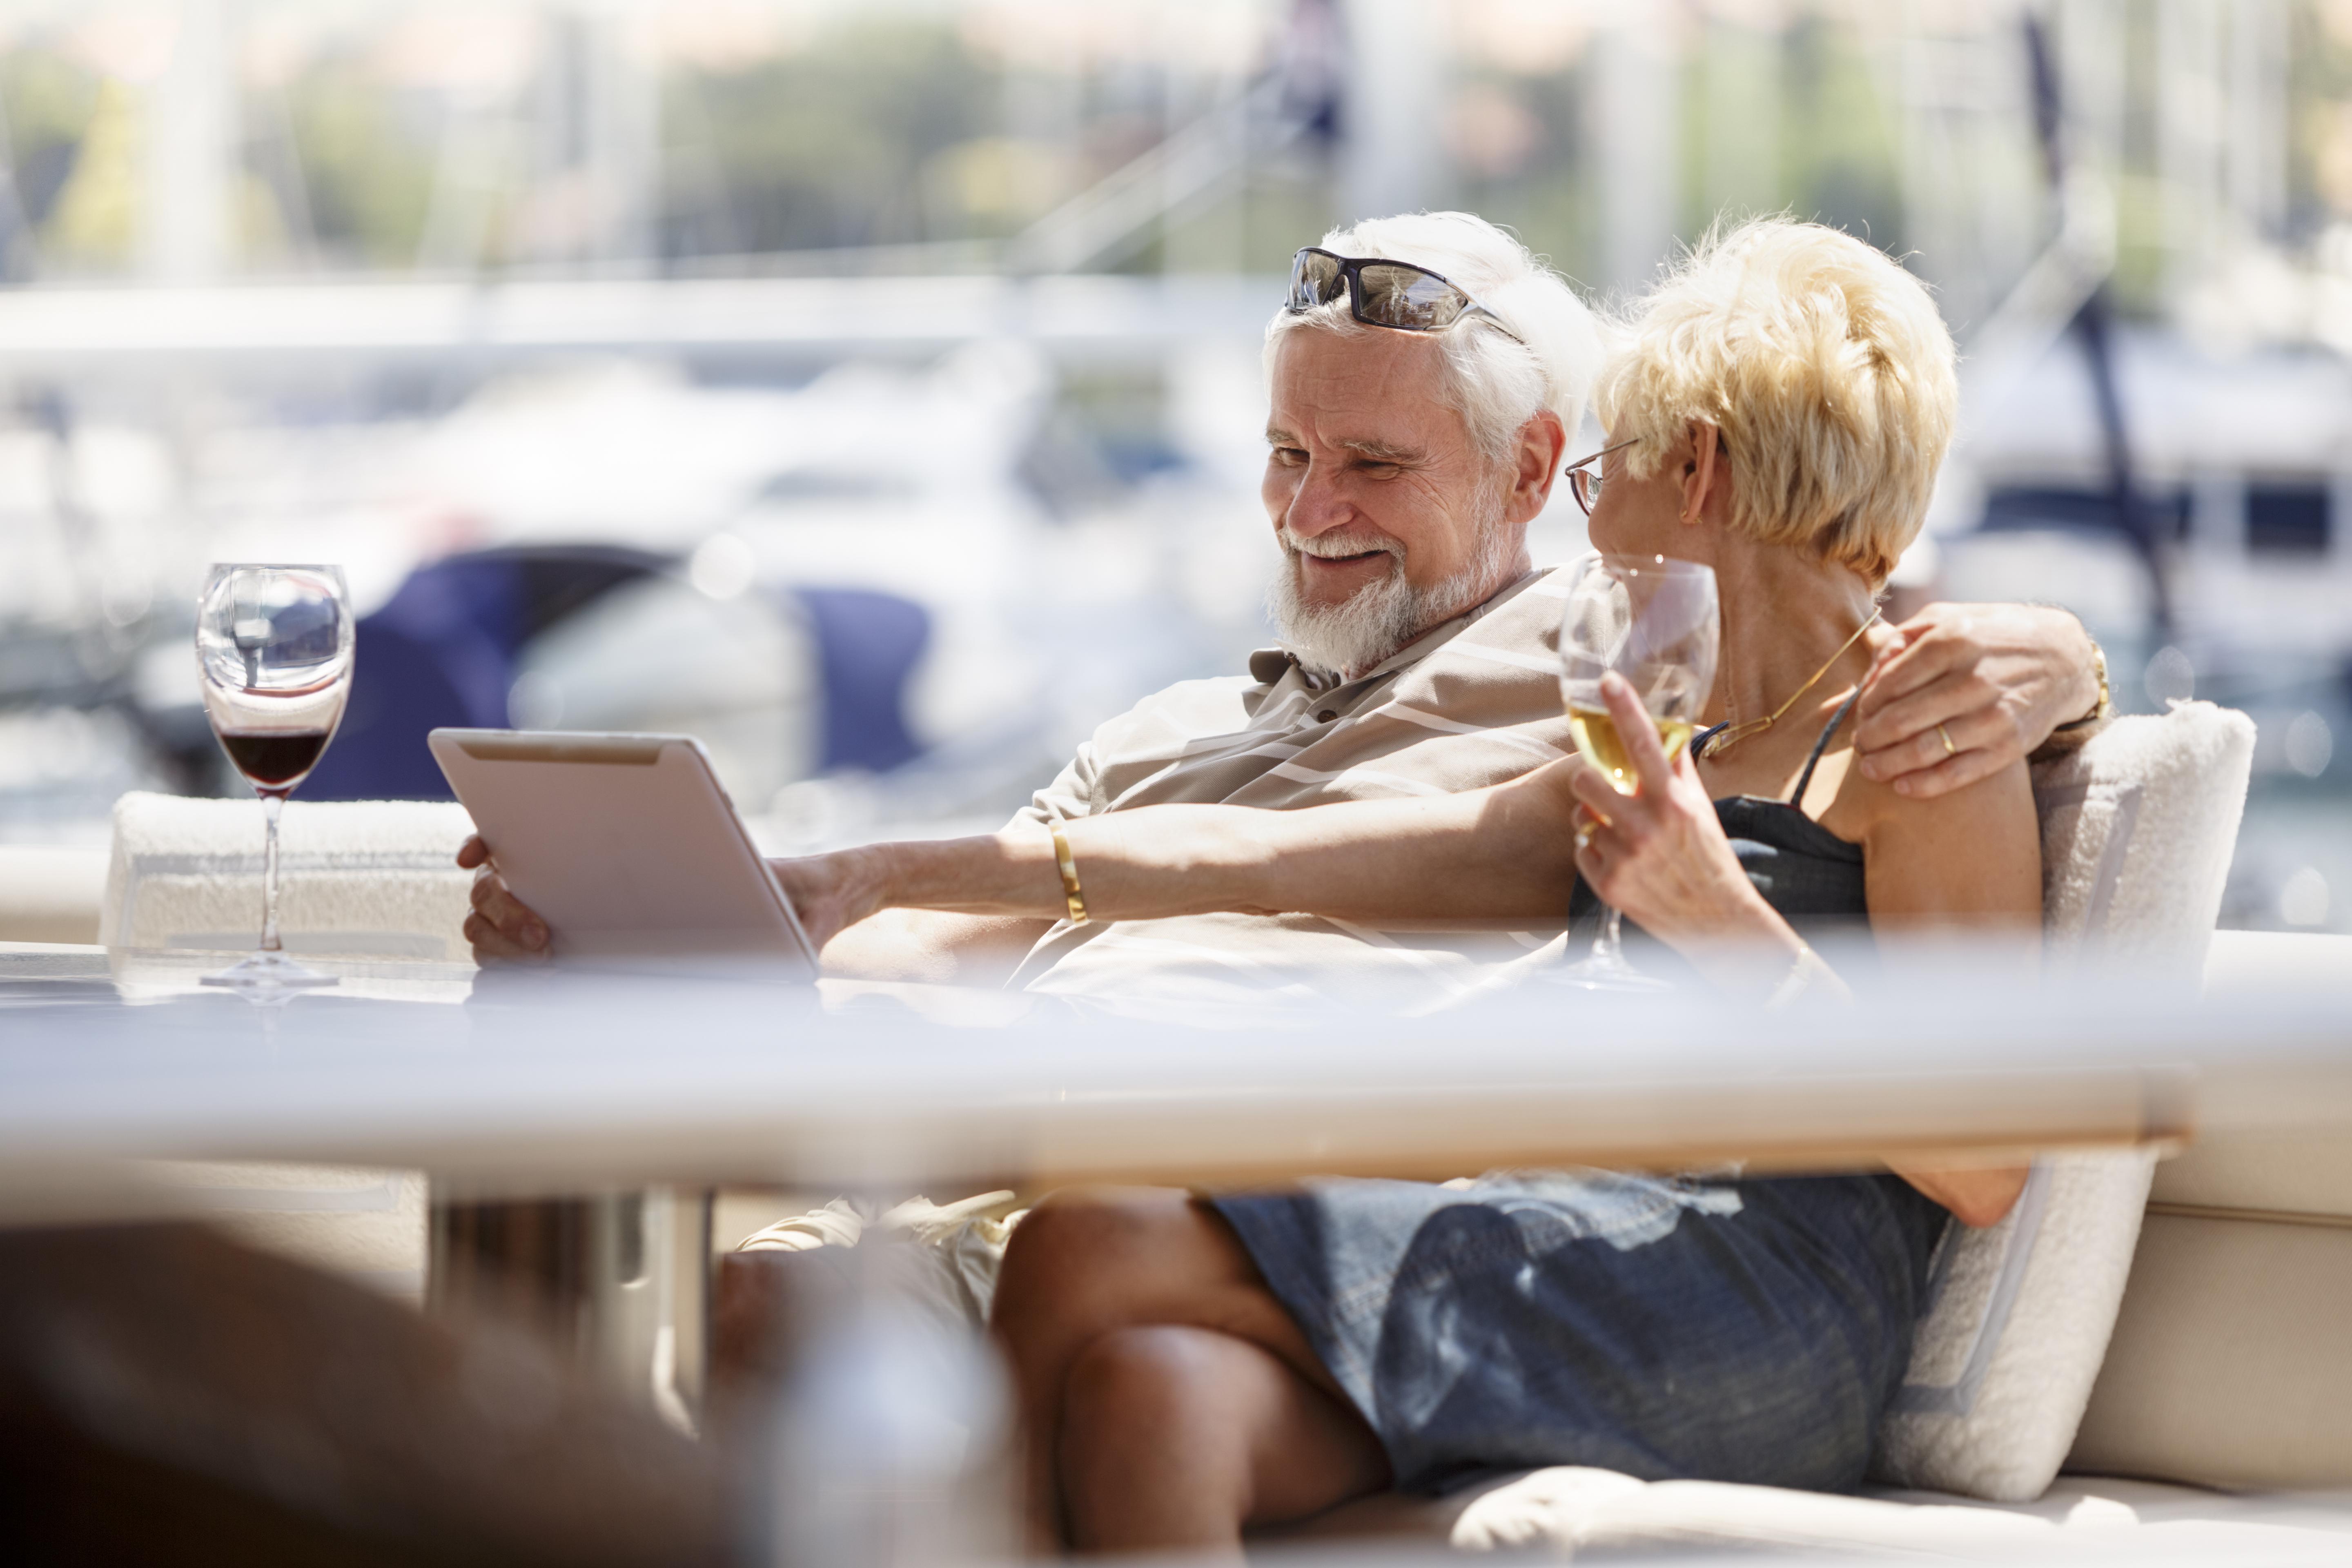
pixel 1383 293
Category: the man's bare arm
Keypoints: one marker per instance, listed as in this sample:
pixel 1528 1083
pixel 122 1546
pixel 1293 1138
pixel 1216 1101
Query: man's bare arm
pixel 1493 853
pixel 932 946
pixel 1996 680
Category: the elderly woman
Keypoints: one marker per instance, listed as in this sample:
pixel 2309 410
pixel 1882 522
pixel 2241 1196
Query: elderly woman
pixel 1189 1367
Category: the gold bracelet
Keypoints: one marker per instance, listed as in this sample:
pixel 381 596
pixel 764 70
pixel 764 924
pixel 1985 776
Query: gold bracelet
pixel 1069 865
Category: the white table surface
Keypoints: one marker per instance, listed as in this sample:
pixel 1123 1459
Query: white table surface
pixel 541 1084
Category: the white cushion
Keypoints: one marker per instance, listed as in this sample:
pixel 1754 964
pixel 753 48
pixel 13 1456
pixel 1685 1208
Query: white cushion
pixel 376 878
pixel 2018 1322
pixel 2138 827
pixel 1570 1510
pixel 50 892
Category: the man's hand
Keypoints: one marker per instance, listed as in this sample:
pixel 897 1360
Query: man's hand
pixel 1972 689
pixel 502 928
pixel 830 893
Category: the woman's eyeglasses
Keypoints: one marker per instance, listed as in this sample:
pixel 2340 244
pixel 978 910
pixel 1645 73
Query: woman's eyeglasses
pixel 1383 293
pixel 1584 481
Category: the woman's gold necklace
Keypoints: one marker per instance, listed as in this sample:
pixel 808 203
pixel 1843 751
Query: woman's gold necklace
pixel 1722 740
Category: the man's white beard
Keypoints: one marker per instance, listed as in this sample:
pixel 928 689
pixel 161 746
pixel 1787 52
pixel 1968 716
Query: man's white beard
pixel 1382 617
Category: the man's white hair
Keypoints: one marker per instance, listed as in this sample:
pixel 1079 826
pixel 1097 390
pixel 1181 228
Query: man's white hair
pixel 1496 384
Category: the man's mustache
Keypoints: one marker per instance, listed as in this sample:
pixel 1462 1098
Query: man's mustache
pixel 1336 546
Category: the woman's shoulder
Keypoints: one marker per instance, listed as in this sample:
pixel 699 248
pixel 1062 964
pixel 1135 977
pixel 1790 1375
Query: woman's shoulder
pixel 1972 853
pixel 1867 807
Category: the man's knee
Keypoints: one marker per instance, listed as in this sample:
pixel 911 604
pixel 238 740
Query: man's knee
pixel 1141 1394
pixel 1149 1370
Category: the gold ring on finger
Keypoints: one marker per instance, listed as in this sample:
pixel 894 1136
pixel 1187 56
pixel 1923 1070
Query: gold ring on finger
pixel 1949 749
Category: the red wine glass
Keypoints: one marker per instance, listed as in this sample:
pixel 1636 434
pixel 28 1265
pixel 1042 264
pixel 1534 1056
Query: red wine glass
pixel 274 648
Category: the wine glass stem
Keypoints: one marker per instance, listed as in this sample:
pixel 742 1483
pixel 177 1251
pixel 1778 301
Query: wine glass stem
pixel 269 806
pixel 1606 948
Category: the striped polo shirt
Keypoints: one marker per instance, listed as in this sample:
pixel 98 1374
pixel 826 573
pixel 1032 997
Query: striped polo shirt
pixel 1472 703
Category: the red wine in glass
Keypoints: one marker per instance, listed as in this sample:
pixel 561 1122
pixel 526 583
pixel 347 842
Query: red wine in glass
pixel 274 653
pixel 275 759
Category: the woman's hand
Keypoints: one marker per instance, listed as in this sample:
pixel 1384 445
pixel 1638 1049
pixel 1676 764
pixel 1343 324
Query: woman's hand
pixel 1660 854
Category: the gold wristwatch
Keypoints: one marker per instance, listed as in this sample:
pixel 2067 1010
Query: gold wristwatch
pixel 2106 704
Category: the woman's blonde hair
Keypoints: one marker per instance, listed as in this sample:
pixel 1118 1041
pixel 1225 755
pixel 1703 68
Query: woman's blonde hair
pixel 1827 369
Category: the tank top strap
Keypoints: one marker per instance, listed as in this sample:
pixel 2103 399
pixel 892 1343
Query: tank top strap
pixel 1796 795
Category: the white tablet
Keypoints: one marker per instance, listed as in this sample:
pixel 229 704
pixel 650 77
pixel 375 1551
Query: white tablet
pixel 627 846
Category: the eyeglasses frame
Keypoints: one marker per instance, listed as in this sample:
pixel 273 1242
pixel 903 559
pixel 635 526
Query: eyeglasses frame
pixel 1577 477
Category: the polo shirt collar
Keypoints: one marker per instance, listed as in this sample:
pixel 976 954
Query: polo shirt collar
pixel 1269 664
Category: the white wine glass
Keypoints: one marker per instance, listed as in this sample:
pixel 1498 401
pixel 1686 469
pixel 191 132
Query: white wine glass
pixel 273 654
pixel 1656 622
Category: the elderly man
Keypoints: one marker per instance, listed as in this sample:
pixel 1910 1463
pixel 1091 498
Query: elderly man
pixel 1407 457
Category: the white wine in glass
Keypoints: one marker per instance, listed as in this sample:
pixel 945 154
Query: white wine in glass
pixel 1656 622
pixel 1596 737
pixel 273 654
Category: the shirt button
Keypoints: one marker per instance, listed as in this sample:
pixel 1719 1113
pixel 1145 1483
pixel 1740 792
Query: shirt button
pixel 1326 716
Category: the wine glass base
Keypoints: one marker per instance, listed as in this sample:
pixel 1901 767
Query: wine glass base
pixel 264 976
pixel 1597 975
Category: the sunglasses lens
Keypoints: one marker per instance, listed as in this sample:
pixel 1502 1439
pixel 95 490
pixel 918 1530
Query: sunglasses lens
pixel 1314 279
pixel 1397 295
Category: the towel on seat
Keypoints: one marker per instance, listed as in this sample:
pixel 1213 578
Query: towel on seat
pixel 362 879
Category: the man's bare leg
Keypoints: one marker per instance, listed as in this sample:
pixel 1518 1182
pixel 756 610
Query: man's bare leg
pixel 1086 1265
pixel 1174 1438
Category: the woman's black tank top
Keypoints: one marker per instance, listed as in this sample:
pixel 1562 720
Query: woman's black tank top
pixel 1814 878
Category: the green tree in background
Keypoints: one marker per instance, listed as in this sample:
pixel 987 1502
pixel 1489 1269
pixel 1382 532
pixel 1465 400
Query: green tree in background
pixel 828 147
pixel 366 160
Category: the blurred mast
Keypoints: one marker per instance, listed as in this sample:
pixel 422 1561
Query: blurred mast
pixel 192 149
pixel 2258 117
pixel 1308 92
pixel 593 201
pixel 2093 328
pixel 1393 145
pixel 1637 116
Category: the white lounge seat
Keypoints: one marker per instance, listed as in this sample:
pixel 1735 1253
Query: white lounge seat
pixel 50 892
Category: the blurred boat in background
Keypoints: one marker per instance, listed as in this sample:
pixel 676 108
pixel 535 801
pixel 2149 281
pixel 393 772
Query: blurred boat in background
pixel 873 392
